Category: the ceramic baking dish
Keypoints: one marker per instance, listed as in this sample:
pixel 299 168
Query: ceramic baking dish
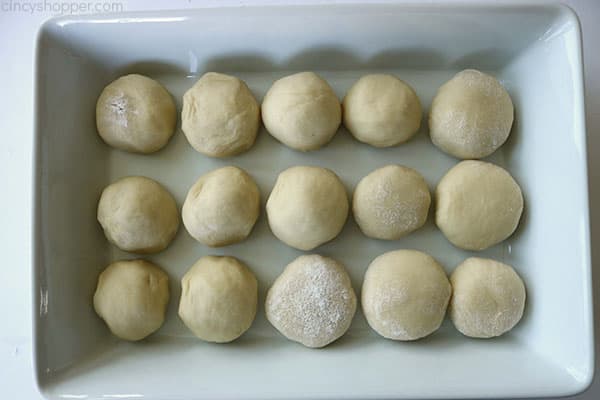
pixel 534 50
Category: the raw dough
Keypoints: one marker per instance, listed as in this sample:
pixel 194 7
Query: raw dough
pixel 132 297
pixel 478 205
pixel 220 116
pixel 471 115
pixel 391 202
pixel 488 298
pixel 138 215
pixel 382 110
pixel 302 111
pixel 221 207
pixel 307 207
pixel 218 298
pixel 405 294
pixel 136 113
pixel 312 301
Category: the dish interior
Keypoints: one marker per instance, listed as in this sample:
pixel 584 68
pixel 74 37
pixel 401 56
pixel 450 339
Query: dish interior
pixel 535 53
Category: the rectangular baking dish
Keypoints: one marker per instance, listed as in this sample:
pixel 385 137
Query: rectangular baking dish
pixel 534 50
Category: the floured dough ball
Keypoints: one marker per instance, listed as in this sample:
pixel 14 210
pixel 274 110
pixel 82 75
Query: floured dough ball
pixel 312 302
pixel 136 114
pixel 221 207
pixel 220 116
pixel 382 110
pixel 405 294
pixel 302 111
pixel 391 202
pixel 132 297
pixel 471 115
pixel 488 298
pixel 138 215
pixel 478 205
pixel 307 207
pixel 218 298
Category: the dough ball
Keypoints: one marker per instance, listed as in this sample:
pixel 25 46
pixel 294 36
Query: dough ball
pixel 132 297
pixel 307 207
pixel 218 298
pixel 220 116
pixel 471 115
pixel 382 110
pixel 488 298
pixel 478 205
pixel 302 111
pixel 312 302
pixel 221 207
pixel 136 114
pixel 405 294
pixel 138 215
pixel 391 202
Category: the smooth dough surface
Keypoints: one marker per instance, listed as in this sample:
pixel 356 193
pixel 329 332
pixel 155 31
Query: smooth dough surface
pixel 312 302
pixel 221 207
pixel 405 294
pixel 488 298
pixel 471 115
pixel 382 110
pixel 478 205
pixel 220 116
pixel 135 113
pixel 302 111
pixel 132 297
pixel 138 215
pixel 308 206
pixel 218 298
pixel 391 202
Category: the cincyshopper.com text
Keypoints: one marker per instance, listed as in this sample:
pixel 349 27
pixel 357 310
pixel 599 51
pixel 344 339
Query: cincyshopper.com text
pixel 60 7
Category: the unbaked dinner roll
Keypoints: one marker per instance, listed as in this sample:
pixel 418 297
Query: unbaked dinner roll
pixel 488 298
pixel 302 111
pixel 382 110
pixel 471 115
pixel 136 114
pixel 308 206
pixel 391 202
pixel 220 116
pixel 312 302
pixel 138 214
pixel 405 294
pixel 132 297
pixel 218 298
pixel 222 207
pixel 478 205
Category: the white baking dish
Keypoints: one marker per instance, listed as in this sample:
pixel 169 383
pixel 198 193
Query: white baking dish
pixel 534 50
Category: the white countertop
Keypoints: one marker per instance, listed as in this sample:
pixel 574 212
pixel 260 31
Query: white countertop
pixel 17 41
